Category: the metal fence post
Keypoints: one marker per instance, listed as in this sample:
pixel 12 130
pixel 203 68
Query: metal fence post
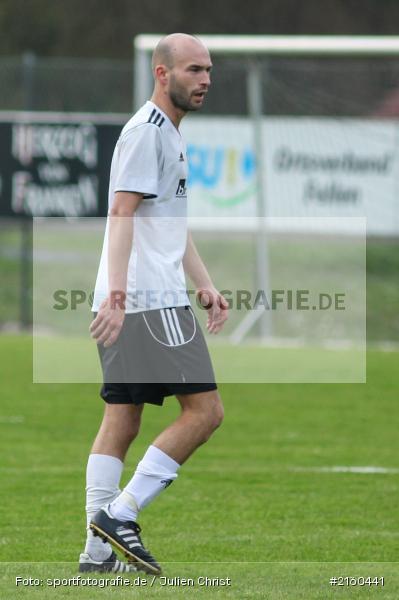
pixel 25 312
pixel 142 77
pixel 261 314
pixel 29 61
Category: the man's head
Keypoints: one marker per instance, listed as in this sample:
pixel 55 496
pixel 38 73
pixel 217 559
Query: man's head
pixel 181 66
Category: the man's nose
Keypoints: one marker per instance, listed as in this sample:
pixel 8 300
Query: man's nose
pixel 206 79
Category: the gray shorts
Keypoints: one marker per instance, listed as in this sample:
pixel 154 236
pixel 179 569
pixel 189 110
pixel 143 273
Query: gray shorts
pixel 158 353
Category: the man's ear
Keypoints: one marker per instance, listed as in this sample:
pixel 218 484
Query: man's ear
pixel 161 74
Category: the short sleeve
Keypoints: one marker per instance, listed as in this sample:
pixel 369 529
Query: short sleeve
pixel 138 161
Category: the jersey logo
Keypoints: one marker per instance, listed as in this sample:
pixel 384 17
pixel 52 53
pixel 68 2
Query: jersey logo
pixel 156 118
pixel 181 157
pixel 167 482
pixel 181 189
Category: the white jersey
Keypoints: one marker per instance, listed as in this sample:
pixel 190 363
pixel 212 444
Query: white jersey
pixel 150 158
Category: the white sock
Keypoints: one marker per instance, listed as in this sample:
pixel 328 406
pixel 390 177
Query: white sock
pixel 154 473
pixel 103 475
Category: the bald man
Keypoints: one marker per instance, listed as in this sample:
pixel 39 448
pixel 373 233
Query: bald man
pixel 150 343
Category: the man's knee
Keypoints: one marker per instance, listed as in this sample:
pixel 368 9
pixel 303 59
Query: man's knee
pixel 132 428
pixel 207 411
pixel 123 421
pixel 213 423
pixel 217 414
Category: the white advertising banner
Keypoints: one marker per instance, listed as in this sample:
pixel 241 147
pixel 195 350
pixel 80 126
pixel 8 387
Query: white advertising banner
pixel 318 167
pixel 332 168
pixel 221 171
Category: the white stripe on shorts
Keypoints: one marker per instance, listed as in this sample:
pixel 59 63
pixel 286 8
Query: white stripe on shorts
pixel 166 327
pixel 172 328
pixel 176 320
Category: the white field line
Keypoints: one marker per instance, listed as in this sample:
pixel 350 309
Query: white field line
pixel 47 469
pixel 12 419
pixel 281 469
pixel 363 470
pixel 327 344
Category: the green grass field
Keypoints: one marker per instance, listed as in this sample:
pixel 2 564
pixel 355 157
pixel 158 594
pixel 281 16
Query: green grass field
pixel 256 504
pixel 75 359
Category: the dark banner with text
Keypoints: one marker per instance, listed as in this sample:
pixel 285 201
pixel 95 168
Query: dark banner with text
pixel 55 167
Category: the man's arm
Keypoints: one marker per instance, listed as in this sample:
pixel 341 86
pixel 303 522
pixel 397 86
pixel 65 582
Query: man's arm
pixel 209 296
pixel 107 325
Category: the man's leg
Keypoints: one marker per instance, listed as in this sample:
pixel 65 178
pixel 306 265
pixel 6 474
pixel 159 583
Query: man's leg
pixel 120 425
pixel 201 414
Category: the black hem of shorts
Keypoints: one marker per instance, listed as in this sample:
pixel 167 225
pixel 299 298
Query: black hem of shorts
pixel 190 388
pixel 150 393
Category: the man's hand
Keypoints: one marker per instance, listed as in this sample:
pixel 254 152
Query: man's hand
pixel 217 307
pixel 109 320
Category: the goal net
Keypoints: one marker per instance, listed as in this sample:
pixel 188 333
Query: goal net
pixel 293 159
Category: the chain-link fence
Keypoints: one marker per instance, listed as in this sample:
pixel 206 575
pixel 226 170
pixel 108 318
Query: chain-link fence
pixel 65 84
pixel 294 86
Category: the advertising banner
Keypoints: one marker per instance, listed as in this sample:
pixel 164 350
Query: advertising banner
pixel 333 168
pixel 330 168
pixel 55 165
pixel 58 165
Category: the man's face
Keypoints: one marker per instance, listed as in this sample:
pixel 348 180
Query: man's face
pixel 189 80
